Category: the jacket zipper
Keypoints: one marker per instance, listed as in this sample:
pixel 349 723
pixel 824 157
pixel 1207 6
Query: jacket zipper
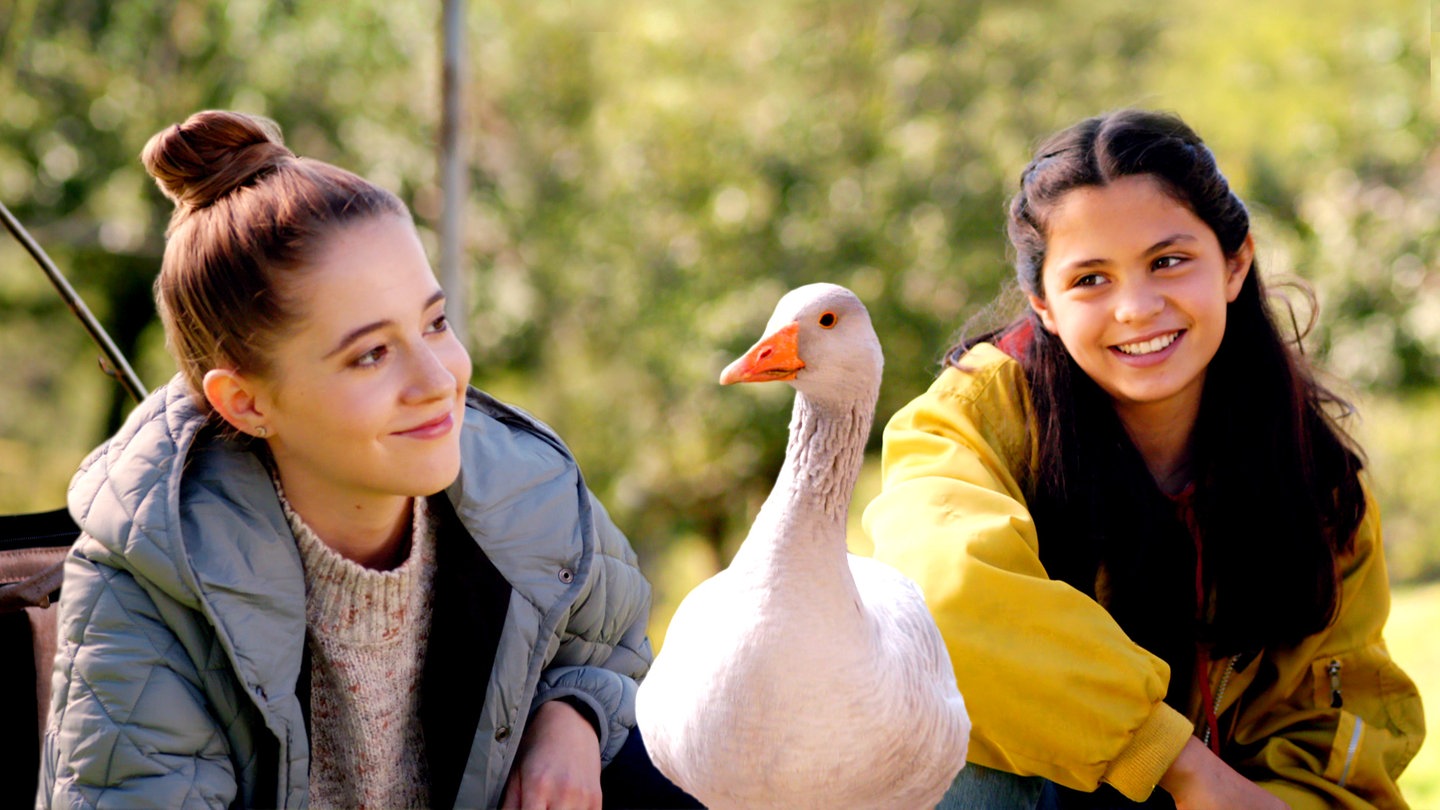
pixel 1220 693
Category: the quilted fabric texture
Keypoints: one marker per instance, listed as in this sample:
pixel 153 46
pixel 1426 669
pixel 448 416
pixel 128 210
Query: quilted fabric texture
pixel 182 617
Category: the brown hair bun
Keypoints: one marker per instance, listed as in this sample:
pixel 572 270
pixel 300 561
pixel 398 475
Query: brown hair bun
pixel 213 153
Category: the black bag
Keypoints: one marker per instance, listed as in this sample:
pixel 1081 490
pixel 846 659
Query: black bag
pixel 32 555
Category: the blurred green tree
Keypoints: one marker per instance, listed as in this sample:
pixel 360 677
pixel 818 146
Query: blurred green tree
pixel 651 175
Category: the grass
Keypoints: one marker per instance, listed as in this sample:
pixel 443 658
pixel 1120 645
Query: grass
pixel 1414 615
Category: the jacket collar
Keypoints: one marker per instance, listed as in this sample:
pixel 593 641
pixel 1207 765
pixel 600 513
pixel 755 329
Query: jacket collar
pixel 517 494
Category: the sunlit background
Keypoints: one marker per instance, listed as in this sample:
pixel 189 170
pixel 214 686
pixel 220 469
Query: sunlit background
pixel 648 176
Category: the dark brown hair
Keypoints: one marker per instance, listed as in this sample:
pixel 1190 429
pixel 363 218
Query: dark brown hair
pixel 1277 495
pixel 247 213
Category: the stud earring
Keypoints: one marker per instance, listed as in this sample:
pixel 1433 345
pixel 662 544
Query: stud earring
pixel 261 432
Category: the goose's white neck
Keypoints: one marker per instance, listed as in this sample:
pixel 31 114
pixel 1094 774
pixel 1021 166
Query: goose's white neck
pixel 812 493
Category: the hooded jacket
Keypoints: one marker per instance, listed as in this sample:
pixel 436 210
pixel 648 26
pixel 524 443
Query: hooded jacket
pixel 180 675
pixel 1055 687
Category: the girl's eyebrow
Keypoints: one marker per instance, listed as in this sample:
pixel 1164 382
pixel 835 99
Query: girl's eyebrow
pixel 1164 244
pixel 361 331
pixel 1171 241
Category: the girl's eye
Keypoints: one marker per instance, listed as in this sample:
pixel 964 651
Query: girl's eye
pixel 1089 280
pixel 828 320
pixel 1165 262
pixel 370 358
pixel 440 324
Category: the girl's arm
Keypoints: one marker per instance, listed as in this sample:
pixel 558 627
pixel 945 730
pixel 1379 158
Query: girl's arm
pixel 1319 749
pixel 128 723
pixel 558 764
pixel 1200 780
pixel 1053 685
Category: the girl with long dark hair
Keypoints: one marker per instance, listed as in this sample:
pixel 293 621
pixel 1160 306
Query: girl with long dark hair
pixel 1143 533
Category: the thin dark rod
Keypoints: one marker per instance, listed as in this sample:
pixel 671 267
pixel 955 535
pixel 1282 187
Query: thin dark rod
pixel 119 367
pixel 453 172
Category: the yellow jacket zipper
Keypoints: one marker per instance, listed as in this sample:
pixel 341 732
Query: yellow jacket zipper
pixel 1220 693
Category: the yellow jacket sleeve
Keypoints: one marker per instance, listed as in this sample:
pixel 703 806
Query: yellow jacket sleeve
pixel 1315 754
pixel 1053 685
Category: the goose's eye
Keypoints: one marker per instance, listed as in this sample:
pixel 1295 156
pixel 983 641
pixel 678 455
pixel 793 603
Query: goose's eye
pixel 828 320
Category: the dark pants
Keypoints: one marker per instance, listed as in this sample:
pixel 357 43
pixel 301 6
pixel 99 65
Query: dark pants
pixel 631 782
pixel 985 788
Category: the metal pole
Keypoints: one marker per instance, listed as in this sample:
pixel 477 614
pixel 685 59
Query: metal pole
pixel 453 174
pixel 118 367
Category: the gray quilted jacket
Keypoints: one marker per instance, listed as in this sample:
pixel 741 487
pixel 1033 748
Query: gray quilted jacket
pixel 182 616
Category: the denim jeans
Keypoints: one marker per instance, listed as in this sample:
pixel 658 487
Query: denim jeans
pixel 981 788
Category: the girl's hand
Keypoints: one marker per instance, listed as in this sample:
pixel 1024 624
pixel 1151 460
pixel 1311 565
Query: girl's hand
pixel 1199 780
pixel 558 764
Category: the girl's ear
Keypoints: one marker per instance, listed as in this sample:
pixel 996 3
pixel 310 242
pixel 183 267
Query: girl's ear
pixel 233 396
pixel 1038 304
pixel 1238 266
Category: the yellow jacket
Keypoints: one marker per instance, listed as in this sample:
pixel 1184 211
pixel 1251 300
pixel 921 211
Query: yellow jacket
pixel 1053 685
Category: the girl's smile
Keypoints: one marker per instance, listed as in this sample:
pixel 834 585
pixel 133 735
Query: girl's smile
pixel 436 428
pixel 1148 348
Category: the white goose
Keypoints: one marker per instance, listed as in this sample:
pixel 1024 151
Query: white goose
pixel 802 676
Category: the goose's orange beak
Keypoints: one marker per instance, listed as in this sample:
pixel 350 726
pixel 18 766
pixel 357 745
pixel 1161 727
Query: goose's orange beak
pixel 775 357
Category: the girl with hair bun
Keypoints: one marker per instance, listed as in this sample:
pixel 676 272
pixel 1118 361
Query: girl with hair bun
pixel 1144 536
pixel 317 567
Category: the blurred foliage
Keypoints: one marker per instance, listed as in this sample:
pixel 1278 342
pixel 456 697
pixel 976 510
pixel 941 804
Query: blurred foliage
pixel 1403 449
pixel 650 175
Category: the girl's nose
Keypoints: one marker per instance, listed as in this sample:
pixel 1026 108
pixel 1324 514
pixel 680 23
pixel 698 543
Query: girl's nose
pixel 1138 302
pixel 430 377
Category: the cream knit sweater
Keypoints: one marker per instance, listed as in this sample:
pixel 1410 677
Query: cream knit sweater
pixel 367 636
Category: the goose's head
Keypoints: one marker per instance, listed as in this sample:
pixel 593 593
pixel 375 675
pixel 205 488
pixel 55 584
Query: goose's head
pixel 820 340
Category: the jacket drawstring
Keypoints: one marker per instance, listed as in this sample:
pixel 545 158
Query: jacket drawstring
pixel 1211 725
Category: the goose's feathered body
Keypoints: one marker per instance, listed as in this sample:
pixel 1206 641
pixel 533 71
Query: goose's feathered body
pixel 802 676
